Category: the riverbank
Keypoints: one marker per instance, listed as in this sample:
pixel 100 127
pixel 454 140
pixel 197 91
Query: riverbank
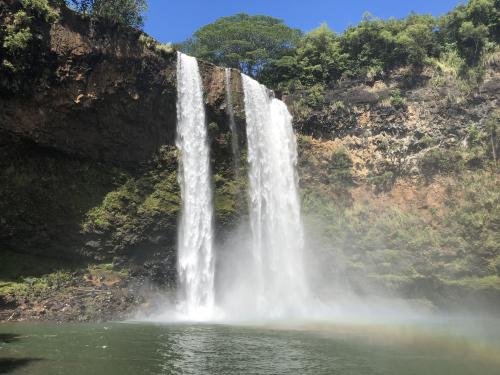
pixel 94 294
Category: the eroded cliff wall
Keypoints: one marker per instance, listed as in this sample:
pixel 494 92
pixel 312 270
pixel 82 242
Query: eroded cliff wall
pixel 87 140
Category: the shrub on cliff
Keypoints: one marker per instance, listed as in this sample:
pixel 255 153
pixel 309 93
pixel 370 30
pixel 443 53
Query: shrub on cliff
pixel 22 39
pixel 340 167
pixel 41 8
pixel 367 49
pixel 18 33
pixel 318 59
pixel 438 160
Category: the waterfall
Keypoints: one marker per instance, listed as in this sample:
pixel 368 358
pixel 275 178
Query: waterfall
pixel 232 123
pixel 195 237
pixel 279 284
pixel 263 276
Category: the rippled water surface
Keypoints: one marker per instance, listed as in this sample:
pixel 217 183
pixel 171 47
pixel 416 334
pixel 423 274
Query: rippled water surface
pixel 444 347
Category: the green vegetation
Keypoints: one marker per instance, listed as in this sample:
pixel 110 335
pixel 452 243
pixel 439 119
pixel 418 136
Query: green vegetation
pixel 150 43
pixel 480 151
pixel 34 286
pixel 473 28
pixel 64 279
pixel 141 207
pixel 124 12
pixel 16 34
pixel 242 41
pixel 340 167
pixel 42 9
pixel 316 59
pixel 401 247
pixel 437 160
pixel 396 99
pixel 477 283
pixel 265 47
pixel 374 46
pixel 383 182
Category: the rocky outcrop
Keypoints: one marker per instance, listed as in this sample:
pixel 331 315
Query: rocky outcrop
pixel 390 124
pixel 99 91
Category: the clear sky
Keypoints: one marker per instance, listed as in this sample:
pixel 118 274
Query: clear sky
pixel 176 20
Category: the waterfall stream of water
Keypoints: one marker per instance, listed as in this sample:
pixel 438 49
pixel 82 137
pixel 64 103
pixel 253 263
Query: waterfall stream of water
pixel 280 283
pixel 272 282
pixel 195 237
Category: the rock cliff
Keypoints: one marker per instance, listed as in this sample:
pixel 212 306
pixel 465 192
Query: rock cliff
pixel 89 107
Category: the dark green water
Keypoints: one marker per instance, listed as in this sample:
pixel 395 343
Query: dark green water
pixel 348 349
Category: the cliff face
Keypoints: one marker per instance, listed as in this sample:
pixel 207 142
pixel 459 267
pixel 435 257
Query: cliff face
pixel 390 123
pixel 87 133
pixel 398 174
pixel 98 91
pixel 400 184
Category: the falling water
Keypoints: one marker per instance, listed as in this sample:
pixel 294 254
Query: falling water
pixel 277 234
pixel 195 243
pixel 232 123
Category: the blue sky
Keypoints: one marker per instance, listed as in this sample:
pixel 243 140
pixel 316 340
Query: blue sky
pixel 176 20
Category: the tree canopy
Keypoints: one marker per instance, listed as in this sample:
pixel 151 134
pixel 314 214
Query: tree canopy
pixel 243 41
pixel 472 27
pixel 125 12
pixel 375 46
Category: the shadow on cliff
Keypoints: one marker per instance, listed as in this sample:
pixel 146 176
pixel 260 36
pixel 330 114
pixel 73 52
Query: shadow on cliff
pixel 44 198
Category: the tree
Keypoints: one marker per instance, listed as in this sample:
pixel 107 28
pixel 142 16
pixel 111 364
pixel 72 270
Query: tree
pixel 371 45
pixel 318 59
pixel 243 41
pixel 320 56
pixel 124 12
pixel 377 45
pixel 471 27
pixel 417 40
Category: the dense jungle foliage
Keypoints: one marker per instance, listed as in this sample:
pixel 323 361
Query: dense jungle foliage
pixel 284 59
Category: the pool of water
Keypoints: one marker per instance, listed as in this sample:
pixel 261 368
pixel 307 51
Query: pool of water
pixel 444 347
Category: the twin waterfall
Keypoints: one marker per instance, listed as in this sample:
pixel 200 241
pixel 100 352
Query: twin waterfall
pixel 274 269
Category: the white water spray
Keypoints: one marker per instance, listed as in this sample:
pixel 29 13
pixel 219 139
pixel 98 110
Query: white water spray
pixel 279 284
pixel 195 243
